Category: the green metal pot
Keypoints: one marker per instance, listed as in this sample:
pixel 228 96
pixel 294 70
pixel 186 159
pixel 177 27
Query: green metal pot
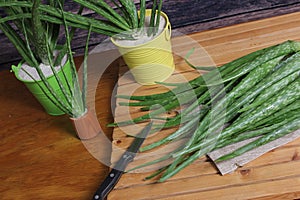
pixel 42 93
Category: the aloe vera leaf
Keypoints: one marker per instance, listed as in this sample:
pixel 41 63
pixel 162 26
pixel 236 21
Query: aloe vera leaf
pixel 281 114
pixel 285 97
pixel 15 11
pixel 66 95
pixel 157 17
pixel 152 18
pixel 278 133
pixel 85 65
pixel 64 48
pixel 111 16
pixel 142 13
pixel 183 98
pixel 187 56
pixel 123 13
pixel 39 34
pixel 266 94
pixel 131 11
pixel 112 12
pixel 54 98
pixel 73 20
pixel 182 165
pixel 32 56
pixel 256 123
pixel 289 66
pixel 77 93
pixel 18 43
pixel 199 81
pixel 185 129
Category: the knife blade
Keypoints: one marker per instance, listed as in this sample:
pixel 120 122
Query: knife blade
pixel 115 174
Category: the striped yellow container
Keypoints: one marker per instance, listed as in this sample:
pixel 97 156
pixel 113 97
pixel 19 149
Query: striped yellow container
pixel 152 61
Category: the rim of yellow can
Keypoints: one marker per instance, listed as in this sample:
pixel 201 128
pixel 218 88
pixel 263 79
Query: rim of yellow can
pixel 151 61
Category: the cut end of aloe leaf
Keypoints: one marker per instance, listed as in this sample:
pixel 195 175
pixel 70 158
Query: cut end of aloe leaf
pixel 205 68
pixel 168 84
pixel 112 125
pixel 123 96
pixel 147 108
pixel 118 124
pixel 124 104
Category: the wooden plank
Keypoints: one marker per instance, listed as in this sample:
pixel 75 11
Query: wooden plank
pixel 201 180
pixel 205 169
pixel 260 189
pixel 289 195
pixel 40 155
pixel 186 16
pixel 220 187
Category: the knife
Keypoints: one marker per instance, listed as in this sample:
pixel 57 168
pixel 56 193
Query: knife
pixel 115 174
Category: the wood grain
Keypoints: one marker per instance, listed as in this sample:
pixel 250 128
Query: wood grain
pixel 186 16
pixel 40 155
pixel 274 175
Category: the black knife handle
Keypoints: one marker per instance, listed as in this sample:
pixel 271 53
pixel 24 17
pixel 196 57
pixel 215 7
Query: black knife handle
pixel 110 181
pixel 115 174
pixel 113 177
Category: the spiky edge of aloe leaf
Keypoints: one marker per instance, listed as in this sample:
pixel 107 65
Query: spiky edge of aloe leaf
pixel 39 33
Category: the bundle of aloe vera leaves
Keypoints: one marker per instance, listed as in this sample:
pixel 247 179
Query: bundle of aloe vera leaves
pixel 255 96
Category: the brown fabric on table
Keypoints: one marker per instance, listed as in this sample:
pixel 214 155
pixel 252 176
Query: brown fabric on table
pixel 229 166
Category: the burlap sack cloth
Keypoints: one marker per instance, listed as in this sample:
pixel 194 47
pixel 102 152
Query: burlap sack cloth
pixel 229 166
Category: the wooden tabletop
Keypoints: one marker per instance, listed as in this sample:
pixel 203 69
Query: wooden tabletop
pixel 41 157
pixel 274 175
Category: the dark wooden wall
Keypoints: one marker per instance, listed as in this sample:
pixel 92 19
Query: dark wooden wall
pixel 186 16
